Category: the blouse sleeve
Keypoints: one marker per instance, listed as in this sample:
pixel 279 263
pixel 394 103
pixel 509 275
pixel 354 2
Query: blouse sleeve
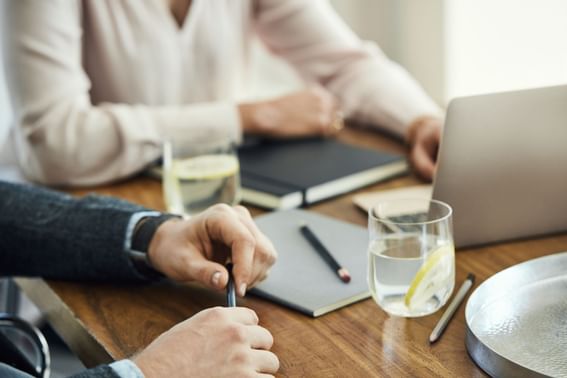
pixel 370 87
pixel 63 139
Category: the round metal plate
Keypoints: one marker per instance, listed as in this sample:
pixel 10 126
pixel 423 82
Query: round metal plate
pixel 517 320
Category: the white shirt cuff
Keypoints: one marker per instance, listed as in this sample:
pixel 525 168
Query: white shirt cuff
pixel 126 369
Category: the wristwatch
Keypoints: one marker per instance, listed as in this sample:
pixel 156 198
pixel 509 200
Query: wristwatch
pixel 141 229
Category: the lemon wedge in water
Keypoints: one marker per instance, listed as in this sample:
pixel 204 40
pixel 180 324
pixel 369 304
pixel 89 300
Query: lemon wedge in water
pixel 431 276
pixel 206 167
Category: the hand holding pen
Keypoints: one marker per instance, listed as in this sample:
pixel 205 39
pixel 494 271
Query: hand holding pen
pixel 189 250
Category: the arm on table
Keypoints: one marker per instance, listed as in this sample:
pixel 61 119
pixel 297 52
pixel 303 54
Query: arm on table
pixel 370 87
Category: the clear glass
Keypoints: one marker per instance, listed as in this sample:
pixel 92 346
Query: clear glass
pixel 196 177
pixel 411 256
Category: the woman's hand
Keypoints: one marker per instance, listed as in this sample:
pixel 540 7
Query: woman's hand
pixel 423 138
pixel 310 112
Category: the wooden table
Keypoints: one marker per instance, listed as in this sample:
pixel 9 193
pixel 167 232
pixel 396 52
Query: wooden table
pixel 106 322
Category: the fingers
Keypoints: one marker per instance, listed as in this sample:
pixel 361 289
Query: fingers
pixel 422 162
pixel 266 361
pixel 260 338
pixel 208 273
pixel 242 315
pixel 424 137
pixel 330 118
pixel 251 252
pixel 264 254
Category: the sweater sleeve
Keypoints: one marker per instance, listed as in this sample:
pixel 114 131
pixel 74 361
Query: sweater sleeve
pixel 52 235
pixel 64 139
pixel 102 371
pixel 370 87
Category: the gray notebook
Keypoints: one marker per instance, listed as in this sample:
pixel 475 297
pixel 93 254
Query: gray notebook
pixel 300 279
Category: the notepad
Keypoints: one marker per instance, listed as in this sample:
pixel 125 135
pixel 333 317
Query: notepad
pixel 300 279
pixel 289 174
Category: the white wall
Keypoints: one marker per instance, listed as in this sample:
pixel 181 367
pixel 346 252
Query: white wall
pixel 409 31
pixel 504 45
pixel 463 47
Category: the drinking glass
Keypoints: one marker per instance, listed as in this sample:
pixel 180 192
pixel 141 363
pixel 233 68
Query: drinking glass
pixel 411 256
pixel 196 176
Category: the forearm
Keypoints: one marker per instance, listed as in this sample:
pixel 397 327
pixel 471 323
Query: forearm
pixel 379 92
pixel 66 138
pixel 81 144
pixel 48 234
pixel 371 88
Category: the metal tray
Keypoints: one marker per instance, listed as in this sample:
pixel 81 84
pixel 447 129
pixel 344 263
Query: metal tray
pixel 517 320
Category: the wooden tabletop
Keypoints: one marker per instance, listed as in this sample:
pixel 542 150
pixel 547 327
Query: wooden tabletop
pixel 106 322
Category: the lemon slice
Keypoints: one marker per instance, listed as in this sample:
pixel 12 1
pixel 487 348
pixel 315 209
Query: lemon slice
pixel 431 277
pixel 206 167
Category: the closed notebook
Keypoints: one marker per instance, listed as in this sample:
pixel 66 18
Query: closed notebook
pixel 300 278
pixel 288 174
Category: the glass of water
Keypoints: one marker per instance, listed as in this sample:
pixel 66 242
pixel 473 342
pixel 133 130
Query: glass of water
pixel 200 175
pixel 411 256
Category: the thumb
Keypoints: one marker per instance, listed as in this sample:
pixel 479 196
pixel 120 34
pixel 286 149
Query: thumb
pixel 208 273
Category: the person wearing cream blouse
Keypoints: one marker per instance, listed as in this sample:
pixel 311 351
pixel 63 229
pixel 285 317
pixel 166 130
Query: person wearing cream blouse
pixel 97 85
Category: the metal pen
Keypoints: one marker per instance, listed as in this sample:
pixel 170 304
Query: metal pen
pixel 230 291
pixel 450 311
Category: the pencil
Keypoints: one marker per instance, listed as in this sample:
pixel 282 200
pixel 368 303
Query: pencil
pixel 343 274
pixel 230 292
pixel 450 311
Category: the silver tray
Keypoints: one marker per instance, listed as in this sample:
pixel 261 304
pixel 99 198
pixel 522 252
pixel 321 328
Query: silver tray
pixel 517 320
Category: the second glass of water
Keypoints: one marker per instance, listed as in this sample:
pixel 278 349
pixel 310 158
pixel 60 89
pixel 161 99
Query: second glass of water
pixel 411 256
pixel 198 176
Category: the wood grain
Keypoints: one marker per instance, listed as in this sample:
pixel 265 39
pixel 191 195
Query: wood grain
pixel 103 322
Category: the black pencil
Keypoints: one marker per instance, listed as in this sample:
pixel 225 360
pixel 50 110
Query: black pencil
pixel 230 292
pixel 343 274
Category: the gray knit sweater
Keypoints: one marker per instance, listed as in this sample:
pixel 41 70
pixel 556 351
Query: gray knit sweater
pixel 48 234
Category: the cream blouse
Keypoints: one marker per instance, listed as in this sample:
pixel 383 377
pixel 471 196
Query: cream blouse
pixel 96 85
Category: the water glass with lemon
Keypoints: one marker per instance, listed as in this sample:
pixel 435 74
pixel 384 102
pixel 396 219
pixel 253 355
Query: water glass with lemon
pixel 200 175
pixel 411 256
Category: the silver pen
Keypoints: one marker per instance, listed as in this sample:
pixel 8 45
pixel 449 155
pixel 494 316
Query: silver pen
pixel 450 311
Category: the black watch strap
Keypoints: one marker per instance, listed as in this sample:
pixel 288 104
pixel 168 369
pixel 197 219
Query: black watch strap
pixel 141 239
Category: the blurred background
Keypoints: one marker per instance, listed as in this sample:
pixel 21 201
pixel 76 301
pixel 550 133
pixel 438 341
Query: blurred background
pixel 453 47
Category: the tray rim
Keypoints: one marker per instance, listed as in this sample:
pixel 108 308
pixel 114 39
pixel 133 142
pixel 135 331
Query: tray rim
pixel 488 359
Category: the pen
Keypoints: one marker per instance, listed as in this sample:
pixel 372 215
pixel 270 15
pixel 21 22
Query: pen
pixel 343 274
pixel 450 311
pixel 230 292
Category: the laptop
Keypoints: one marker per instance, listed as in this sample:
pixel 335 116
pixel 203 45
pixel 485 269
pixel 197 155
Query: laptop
pixel 502 166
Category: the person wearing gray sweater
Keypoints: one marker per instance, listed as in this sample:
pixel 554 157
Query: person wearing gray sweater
pixel 53 235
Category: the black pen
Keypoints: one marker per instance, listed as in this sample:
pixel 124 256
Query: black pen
pixel 230 292
pixel 343 274
pixel 450 311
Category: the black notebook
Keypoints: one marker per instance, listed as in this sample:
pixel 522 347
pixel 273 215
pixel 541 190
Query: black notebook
pixel 288 174
pixel 300 279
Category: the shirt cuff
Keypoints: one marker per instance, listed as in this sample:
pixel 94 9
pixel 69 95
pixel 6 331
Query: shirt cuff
pixel 126 369
pixel 134 219
pixel 200 122
pixel 139 259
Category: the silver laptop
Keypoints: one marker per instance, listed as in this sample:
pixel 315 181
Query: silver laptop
pixel 503 165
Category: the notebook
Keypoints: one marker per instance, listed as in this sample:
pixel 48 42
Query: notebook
pixel 300 279
pixel 289 174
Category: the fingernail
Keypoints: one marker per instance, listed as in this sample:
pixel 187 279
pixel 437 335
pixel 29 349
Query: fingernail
pixel 242 289
pixel 216 278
